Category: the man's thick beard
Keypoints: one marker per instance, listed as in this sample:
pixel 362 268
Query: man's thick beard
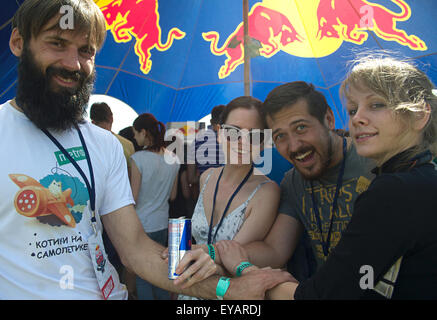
pixel 46 108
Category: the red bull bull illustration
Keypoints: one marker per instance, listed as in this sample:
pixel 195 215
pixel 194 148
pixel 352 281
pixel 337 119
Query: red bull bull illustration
pixel 270 28
pixel 138 19
pixel 311 29
pixel 350 20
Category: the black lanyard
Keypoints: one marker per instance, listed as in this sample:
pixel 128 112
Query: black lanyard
pixel 227 206
pixel 325 245
pixel 90 187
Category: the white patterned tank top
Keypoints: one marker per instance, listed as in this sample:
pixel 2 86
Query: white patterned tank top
pixel 231 223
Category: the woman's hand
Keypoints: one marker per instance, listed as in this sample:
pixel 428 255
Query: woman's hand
pixel 254 284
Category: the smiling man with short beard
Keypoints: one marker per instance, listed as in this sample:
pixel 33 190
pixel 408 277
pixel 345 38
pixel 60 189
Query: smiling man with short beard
pixel 311 150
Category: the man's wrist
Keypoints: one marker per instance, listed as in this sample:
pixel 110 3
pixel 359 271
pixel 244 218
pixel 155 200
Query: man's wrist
pixel 249 269
pixel 222 287
pixel 241 267
pixel 211 251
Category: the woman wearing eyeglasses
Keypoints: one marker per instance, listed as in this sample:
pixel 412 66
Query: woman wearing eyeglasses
pixel 236 201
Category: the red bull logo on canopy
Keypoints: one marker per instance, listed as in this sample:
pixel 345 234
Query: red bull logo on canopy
pixel 351 20
pixel 311 28
pixel 137 19
pixel 270 29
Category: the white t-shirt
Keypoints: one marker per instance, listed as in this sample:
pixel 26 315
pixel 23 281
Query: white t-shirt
pixel 42 256
pixel 158 173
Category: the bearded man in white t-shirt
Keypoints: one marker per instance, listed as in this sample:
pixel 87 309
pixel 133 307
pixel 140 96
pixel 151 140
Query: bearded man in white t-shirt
pixel 62 177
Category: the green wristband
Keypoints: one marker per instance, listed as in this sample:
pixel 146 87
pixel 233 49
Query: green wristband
pixel 222 287
pixel 241 267
pixel 211 251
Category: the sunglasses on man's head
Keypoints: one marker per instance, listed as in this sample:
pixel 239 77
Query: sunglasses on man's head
pixel 233 134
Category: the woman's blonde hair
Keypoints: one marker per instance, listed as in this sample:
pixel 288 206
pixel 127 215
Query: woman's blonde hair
pixel 406 89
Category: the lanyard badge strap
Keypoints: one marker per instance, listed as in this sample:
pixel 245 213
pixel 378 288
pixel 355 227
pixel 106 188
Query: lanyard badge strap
pixel 210 238
pixel 90 187
pixel 326 245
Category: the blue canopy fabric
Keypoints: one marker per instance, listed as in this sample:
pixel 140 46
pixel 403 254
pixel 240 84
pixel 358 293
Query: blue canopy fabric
pixel 178 59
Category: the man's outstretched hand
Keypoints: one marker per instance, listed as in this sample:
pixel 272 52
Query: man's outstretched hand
pixel 254 284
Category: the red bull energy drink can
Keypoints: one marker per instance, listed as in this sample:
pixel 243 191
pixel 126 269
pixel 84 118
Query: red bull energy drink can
pixel 179 242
